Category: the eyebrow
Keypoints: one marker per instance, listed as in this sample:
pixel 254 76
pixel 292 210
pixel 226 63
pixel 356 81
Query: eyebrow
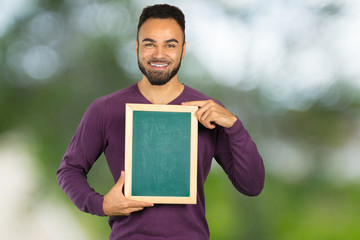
pixel 153 41
pixel 172 40
pixel 148 40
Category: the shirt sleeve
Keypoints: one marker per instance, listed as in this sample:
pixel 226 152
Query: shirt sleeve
pixel 237 154
pixel 84 149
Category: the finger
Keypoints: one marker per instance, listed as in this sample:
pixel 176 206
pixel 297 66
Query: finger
pixel 128 211
pixel 135 209
pixel 202 110
pixel 195 103
pixel 208 119
pixel 131 210
pixel 138 204
pixel 208 122
pixel 202 114
pixel 205 115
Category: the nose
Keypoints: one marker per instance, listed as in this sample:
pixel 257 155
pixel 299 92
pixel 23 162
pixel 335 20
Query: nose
pixel 158 53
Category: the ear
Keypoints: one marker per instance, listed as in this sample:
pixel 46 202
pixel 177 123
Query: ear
pixel 137 47
pixel 183 50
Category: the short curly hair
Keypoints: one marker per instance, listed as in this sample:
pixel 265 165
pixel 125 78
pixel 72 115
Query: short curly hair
pixel 162 11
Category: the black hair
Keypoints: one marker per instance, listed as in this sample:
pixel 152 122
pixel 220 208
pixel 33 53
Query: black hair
pixel 162 11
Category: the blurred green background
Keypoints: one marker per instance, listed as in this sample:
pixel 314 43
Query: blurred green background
pixel 289 69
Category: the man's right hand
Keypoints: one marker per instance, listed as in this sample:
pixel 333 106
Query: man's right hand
pixel 116 204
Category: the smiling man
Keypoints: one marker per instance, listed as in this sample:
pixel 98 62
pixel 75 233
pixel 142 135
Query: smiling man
pixel 160 47
pixel 159 70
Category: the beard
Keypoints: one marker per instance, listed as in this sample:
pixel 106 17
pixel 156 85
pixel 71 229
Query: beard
pixel 158 78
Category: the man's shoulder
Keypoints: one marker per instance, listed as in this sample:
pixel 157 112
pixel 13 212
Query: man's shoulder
pixel 191 92
pixel 116 97
pixel 120 94
pixel 195 95
pixel 113 101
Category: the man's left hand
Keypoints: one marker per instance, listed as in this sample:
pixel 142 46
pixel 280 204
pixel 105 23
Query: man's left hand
pixel 210 112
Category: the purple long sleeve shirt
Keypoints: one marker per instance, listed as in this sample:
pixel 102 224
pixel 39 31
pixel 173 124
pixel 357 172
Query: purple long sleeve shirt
pixel 102 130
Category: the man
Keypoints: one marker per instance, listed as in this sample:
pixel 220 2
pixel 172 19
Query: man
pixel 160 47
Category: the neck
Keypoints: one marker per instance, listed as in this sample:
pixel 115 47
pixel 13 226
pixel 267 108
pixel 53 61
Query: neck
pixel 160 94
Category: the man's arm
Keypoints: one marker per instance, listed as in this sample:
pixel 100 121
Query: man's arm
pixel 85 147
pixel 235 151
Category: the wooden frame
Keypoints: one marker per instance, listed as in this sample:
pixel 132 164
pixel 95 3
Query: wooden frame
pixel 184 188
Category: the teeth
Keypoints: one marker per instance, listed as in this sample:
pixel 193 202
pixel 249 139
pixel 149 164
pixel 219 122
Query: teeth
pixel 158 65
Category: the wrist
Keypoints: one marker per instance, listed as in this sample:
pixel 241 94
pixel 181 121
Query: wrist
pixel 232 121
pixel 105 206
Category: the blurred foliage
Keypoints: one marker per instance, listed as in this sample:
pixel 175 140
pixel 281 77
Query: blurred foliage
pixel 51 108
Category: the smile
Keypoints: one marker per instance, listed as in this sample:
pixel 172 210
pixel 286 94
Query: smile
pixel 159 65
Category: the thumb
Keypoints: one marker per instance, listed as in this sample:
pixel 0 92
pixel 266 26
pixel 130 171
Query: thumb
pixel 121 181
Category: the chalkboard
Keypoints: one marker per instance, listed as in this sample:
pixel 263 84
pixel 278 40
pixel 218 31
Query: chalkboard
pixel 161 153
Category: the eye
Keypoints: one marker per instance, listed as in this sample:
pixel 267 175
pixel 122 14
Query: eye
pixel 149 45
pixel 170 45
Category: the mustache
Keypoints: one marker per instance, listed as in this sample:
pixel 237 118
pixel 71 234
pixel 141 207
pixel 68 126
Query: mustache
pixel 156 60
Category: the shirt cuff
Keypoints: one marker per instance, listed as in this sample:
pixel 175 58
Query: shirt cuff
pixel 97 205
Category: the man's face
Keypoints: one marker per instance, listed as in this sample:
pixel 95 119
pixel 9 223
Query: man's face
pixel 160 49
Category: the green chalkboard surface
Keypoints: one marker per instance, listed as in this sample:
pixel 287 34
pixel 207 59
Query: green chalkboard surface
pixel 161 152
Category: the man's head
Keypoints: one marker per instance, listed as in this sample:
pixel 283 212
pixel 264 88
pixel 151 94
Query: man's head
pixel 162 11
pixel 160 44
